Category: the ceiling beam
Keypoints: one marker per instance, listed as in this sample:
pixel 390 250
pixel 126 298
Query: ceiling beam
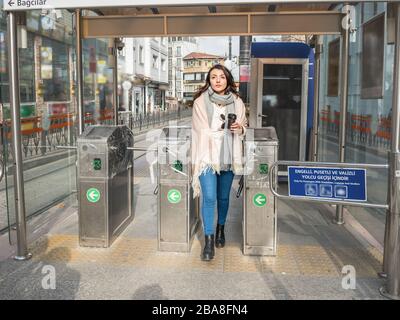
pixel 272 23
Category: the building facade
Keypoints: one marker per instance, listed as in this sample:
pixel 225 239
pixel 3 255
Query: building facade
pixel 178 47
pixel 196 67
pixel 144 79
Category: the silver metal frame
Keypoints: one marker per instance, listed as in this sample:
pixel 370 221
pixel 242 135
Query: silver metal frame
pixel 326 164
pixel 344 87
pixel 79 71
pixel 304 98
pixel 115 81
pixel 391 253
pixel 19 192
pixel 317 70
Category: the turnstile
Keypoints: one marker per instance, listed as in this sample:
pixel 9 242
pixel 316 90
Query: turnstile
pixel 178 212
pixel 259 205
pixel 105 184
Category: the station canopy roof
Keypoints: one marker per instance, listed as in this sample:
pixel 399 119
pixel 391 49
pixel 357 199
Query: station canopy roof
pixel 125 18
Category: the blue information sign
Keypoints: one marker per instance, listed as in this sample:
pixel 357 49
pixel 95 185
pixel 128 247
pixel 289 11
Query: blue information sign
pixel 328 183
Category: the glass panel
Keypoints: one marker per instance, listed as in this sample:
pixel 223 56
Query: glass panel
pixel 281 106
pixel 333 70
pixel 54 71
pixel 4 194
pixel 372 58
pixel 49 173
pixel 48 110
pixel 98 82
pixel 369 120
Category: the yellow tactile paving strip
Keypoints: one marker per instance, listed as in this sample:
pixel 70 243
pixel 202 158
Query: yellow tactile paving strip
pixel 305 260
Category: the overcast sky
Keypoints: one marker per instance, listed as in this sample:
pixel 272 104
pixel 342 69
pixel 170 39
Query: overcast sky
pixel 219 45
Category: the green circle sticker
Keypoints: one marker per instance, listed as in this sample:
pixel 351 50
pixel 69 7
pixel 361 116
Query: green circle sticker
pixel 93 195
pixel 260 200
pixel 174 196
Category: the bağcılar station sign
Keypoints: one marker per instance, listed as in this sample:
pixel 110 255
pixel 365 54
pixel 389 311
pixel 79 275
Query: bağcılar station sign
pixel 18 5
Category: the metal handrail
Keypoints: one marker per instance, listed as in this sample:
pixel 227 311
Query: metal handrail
pixel 67 147
pixel 325 164
pixel 142 149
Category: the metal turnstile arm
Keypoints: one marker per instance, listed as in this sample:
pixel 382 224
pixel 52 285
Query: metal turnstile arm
pixel 241 182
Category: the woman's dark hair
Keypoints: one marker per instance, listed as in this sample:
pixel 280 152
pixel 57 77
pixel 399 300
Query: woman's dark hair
pixel 230 82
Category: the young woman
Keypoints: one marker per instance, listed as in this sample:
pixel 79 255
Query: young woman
pixel 218 124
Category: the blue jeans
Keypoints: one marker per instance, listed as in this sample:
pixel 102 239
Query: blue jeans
pixel 215 187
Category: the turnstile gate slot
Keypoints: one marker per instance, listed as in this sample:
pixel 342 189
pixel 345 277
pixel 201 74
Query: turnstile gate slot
pixel 105 184
pixel 259 214
pixel 178 212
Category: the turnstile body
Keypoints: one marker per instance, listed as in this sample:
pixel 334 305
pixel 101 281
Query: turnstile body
pixel 259 207
pixel 105 184
pixel 178 212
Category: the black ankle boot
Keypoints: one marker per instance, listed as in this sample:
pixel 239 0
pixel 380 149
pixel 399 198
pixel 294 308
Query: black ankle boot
pixel 208 252
pixel 220 236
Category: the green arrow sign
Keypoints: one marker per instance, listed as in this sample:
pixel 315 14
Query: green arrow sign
pixel 174 196
pixel 260 200
pixel 93 195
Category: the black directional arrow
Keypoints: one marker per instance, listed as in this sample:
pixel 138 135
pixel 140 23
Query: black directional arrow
pixel 10 3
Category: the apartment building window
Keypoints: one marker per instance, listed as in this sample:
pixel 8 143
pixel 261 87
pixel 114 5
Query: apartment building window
pixel 163 64
pixel 179 84
pixel 141 55
pixel 178 62
pixel 188 76
pixel 170 52
pixel 198 77
pixel 155 61
pixel 178 51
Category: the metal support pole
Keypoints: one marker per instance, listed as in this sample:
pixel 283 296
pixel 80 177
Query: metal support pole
pixel 391 261
pixel 145 97
pixel 317 69
pixel 79 71
pixel 343 107
pixel 115 78
pixel 19 195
